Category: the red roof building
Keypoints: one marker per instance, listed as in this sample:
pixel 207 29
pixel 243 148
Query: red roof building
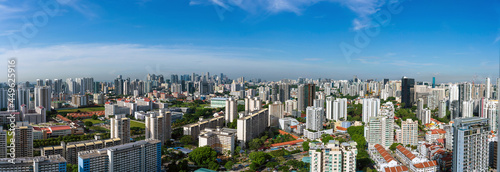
pixel 396 169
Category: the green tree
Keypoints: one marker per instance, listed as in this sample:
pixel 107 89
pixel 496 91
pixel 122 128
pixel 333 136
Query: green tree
pixel 237 149
pixel 305 145
pixel 229 165
pixel 255 144
pixel 259 158
pixel 213 166
pixel 94 117
pixel 88 123
pixel 187 139
pixel 202 156
pixel 393 146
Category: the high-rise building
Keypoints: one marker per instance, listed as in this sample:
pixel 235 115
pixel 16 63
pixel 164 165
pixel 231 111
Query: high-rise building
pixel 118 86
pixel 53 163
pixel 333 156
pixel 409 132
pixel 3 143
pixel 336 109
pixel 276 112
pixel 470 144
pixel 301 98
pixel 144 155
pixel 23 97
pixel 23 140
pixel 306 96
pixel 442 109
pixel 252 125
pixel 120 128
pixel 43 97
pixel 380 130
pixel 464 95
pixel 433 82
pixel 407 91
pixel 314 119
pixel 371 108
pixel 231 110
pixel 158 126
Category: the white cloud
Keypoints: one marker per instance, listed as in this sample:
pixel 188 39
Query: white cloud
pixel 362 8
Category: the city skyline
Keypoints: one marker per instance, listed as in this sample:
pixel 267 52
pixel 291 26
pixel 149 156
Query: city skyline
pixel 259 39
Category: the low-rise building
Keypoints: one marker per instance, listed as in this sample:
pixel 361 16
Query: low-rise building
pixel 381 157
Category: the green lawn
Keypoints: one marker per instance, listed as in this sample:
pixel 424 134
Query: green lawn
pixel 99 129
pixel 87 109
pixel 94 121
pixel 137 124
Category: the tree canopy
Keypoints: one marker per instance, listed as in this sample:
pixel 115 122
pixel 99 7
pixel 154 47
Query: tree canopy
pixel 202 156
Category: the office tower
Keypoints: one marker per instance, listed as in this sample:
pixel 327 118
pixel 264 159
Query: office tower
pixel 43 97
pixel 144 155
pixel 301 98
pixel 380 130
pixel 126 87
pixel 3 98
pixel 442 109
pixel 174 78
pixel 274 92
pixel 23 140
pixel 470 145
pixel 464 94
pixel 336 109
pixel 314 119
pixel 231 110
pixel 52 163
pixel 310 93
pixel 118 84
pixel 252 125
pixel 39 82
pixel 407 91
pixel 333 156
pixel 488 88
pixel 284 92
pixel 371 108
pixel 420 106
pixel 455 109
pixel 433 82
pixel 221 140
pixel 158 126
pixel 409 132
pixel 386 81
pixel 120 128
pixel 3 143
pixel 57 87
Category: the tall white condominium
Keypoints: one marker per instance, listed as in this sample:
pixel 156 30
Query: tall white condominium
pixel 442 109
pixel 276 111
pixel 426 116
pixel 490 112
pixel 467 108
pixel 336 109
pixel 488 88
pixel 470 144
pixel 158 126
pixel 453 92
pixel 314 119
pixel 231 110
pixel 409 132
pixel 120 128
pixel 23 140
pixel 370 108
pixel 3 143
pixel 252 104
pixel 333 156
pixel 43 96
pixel 23 97
pixel 380 130
pixel 143 156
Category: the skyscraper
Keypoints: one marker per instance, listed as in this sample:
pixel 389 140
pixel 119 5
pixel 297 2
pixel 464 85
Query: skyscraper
pixel 23 140
pixel 433 82
pixel 231 110
pixel 120 128
pixel 407 91
pixel 470 145
pixel 409 132
pixel 158 126
pixel 488 88
pixel 371 108
pixel 314 120
pixel 43 97
pixel 336 109
pixel 380 130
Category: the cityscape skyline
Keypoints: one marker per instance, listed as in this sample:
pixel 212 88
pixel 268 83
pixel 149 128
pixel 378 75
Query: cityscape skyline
pixel 251 38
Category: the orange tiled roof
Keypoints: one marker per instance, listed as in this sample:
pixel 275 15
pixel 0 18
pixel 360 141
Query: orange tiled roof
pixel 426 164
pixel 438 131
pixel 396 169
pixel 341 128
pixel 406 152
pixel 284 132
pixel 287 143
pixel 386 155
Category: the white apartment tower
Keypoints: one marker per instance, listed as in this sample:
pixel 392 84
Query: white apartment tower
pixel 370 108
pixel 120 128
pixel 314 120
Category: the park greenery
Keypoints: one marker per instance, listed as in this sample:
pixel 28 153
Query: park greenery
pixel 363 161
pixel 204 157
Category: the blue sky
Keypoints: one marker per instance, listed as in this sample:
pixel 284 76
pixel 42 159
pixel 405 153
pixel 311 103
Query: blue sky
pixel 269 39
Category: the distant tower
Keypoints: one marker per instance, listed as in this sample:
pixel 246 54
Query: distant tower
pixel 433 82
